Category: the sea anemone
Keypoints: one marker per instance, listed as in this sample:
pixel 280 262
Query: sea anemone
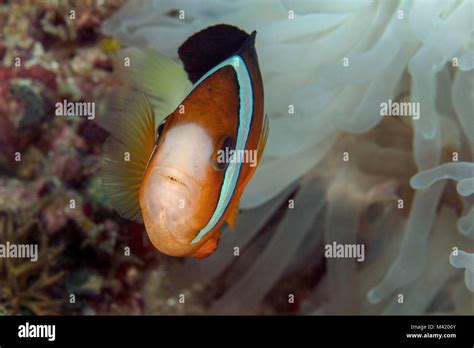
pixel 354 175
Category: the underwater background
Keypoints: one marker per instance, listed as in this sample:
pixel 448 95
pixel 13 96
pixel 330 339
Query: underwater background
pixel 334 169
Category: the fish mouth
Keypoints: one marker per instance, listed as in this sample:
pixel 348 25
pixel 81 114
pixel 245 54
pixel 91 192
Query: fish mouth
pixel 177 177
pixel 173 179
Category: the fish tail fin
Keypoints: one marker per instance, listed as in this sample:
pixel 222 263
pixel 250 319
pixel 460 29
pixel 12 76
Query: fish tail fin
pixel 126 152
pixel 160 78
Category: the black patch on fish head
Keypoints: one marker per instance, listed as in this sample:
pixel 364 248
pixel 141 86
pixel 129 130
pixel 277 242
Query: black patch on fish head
pixel 209 47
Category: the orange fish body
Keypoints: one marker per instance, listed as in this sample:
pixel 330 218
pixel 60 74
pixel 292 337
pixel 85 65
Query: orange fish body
pixel 205 152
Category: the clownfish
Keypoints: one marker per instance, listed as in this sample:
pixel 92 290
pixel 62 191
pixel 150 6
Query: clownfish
pixel 174 175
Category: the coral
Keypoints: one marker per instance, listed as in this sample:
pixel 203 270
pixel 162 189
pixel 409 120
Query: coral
pixel 29 287
pixel 53 186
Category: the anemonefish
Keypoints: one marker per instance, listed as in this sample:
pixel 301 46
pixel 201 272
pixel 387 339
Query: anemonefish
pixel 172 176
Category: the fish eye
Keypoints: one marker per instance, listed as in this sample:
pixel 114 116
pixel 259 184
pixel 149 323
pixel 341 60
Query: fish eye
pixel 221 157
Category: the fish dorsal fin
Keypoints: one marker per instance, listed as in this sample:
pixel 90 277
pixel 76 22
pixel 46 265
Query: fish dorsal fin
pixel 209 47
pixel 126 153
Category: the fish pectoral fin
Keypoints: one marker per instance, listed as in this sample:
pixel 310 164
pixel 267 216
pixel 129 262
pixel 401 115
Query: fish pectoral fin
pixel 131 142
pixel 207 248
pixel 233 216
